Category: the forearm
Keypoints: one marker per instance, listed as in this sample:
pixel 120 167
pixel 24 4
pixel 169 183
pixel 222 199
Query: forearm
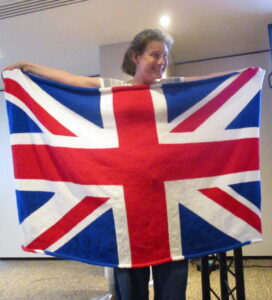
pixel 56 74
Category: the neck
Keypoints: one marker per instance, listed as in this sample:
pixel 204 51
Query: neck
pixel 139 81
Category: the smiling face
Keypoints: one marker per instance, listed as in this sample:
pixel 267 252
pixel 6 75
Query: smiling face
pixel 151 64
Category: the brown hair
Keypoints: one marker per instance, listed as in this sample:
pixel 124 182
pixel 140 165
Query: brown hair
pixel 138 46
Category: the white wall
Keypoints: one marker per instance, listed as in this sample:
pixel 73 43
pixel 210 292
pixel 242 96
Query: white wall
pixel 233 63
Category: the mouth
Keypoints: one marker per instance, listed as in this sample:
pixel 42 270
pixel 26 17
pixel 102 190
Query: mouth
pixel 159 70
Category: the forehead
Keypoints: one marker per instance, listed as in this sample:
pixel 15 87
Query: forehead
pixel 156 46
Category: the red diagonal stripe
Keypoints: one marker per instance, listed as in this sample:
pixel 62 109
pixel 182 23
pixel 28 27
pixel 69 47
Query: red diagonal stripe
pixel 67 222
pixel 15 89
pixel 201 115
pixel 234 206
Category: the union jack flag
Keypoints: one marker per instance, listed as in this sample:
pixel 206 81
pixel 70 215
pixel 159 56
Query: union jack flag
pixel 137 175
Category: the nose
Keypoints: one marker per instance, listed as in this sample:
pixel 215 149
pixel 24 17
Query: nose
pixel 162 60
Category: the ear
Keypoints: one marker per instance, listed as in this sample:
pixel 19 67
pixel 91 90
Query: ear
pixel 134 57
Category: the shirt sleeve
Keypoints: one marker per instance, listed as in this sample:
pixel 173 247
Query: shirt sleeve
pixel 171 80
pixel 110 82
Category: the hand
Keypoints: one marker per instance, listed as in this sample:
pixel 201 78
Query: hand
pixel 18 65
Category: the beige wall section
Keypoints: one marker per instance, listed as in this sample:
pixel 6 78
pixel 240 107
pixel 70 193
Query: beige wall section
pixel 233 63
pixel 111 58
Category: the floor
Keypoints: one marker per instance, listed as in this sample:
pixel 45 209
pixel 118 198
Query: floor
pixel 61 280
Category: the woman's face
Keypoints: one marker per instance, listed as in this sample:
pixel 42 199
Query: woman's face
pixel 151 64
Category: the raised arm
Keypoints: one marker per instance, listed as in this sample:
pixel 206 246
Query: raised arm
pixel 56 75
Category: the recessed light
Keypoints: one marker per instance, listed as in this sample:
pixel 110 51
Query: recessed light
pixel 164 20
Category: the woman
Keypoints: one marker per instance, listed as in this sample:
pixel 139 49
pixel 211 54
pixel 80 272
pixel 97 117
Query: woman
pixel 146 60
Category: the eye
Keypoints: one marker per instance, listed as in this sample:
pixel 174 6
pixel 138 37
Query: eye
pixel 155 55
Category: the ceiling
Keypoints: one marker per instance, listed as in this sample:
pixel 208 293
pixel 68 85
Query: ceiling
pixel 69 36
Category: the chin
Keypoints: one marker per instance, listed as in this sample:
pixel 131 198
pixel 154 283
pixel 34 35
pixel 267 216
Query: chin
pixel 153 78
pixel 158 76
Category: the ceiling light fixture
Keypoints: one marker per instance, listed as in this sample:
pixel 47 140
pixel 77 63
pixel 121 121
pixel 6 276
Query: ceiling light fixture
pixel 164 20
